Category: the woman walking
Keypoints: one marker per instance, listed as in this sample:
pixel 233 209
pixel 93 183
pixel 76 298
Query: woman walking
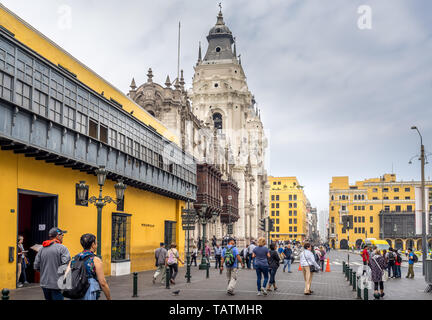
pixel 172 261
pixel 94 268
pixel 273 266
pixel 261 255
pixel 378 266
pixel 22 262
pixel 308 264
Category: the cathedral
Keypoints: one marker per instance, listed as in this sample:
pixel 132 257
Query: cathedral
pixel 218 122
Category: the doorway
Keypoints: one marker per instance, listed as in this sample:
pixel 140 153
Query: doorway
pixel 37 214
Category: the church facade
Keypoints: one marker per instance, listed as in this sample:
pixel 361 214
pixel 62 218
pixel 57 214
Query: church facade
pixel 218 122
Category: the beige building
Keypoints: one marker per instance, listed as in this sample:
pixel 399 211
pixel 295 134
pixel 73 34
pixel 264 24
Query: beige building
pixel 218 122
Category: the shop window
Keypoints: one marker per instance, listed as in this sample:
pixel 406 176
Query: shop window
pixel 170 233
pixel 120 241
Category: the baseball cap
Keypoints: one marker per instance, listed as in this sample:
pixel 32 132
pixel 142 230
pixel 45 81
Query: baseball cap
pixel 54 232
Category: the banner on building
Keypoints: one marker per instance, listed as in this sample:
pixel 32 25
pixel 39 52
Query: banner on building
pixel 418 210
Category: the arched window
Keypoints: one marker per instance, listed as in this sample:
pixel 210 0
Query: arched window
pixel 152 113
pixel 217 120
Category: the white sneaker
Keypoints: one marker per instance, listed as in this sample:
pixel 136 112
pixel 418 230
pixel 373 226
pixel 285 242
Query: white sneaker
pixel 259 293
pixel 264 291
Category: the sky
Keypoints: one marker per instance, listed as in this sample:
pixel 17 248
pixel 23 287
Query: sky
pixel 336 99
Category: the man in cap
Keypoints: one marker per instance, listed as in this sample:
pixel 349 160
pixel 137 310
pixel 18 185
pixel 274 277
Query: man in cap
pixel 49 258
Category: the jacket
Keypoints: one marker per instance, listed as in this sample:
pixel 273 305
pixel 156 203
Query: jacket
pixel 48 260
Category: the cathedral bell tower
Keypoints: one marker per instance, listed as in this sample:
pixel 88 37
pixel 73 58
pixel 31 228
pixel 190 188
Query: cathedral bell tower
pixel 221 98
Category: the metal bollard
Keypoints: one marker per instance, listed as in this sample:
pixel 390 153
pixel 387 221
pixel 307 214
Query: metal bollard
pixel 208 271
pixel 5 294
pixel 343 266
pixel 135 285
pixel 365 294
pixel 168 277
pixel 346 272
pixel 354 280
pixel 350 276
pixel 358 288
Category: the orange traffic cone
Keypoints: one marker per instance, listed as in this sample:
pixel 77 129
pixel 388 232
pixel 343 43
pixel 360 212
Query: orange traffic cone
pixel 328 265
pixel 299 269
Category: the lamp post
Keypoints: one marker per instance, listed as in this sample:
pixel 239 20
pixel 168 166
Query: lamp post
pixel 229 216
pixel 204 220
pixel 424 240
pixel 101 201
pixel 188 226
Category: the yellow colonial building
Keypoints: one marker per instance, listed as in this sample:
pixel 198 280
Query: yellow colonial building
pixel 60 121
pixel 287 209
pixel 382 208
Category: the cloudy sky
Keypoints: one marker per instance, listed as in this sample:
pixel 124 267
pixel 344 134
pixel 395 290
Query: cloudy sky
pixel 335 99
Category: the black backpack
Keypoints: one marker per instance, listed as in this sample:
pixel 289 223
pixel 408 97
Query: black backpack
pixel 391 256
pixel 415 258
pixel 399 259
pixel 79 280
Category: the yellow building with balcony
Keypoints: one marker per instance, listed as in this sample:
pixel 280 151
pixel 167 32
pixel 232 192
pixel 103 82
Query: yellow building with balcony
pixel 287 209
pixel 59 121
pixel 382 208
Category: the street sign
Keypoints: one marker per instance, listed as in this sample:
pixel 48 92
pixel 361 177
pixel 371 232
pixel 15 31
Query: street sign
pixel 188 227
pixel 188 211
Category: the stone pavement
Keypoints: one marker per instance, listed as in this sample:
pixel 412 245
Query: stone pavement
pixel 327 286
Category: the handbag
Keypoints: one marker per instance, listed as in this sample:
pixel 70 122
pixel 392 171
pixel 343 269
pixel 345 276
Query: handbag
pixel 384 275
pixel 312 268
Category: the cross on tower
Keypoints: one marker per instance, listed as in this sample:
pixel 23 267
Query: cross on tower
pixel 220 6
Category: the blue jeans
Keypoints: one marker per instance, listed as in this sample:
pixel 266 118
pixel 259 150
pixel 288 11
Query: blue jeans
pixel 272 273
pixel 259 271
pixel 287 262
pixel 398 271
pixel 52 294
pixel 249 259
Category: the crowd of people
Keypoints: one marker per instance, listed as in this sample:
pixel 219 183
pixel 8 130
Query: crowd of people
pixel 265 260
pixel 385 265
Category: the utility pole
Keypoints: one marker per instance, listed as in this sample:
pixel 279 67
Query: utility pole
pixel 422 190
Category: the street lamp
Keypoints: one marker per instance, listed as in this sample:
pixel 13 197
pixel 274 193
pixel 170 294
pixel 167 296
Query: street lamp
pixel 203 220
pixel 424 241
pixel 190 218
pixel 101 201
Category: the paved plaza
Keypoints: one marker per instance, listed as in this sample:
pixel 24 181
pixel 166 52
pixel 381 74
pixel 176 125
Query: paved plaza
pixel 327 286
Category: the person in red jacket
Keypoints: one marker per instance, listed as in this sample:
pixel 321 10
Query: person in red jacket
pixel 365 256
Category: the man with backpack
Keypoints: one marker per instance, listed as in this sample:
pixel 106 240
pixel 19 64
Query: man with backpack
pixel 231 257
pixel 412 258
pixel 49 258
pixel 287 253
pixel 391 257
